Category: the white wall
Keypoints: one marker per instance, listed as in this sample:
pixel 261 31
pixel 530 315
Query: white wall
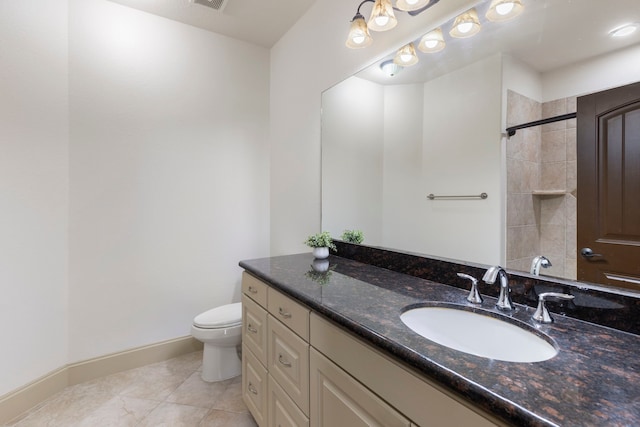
pixel 603 72
pixel 403 198
pixel 310 58
pixel 461 155
pixel 169 174
pixel 33 190
pixel 134 175
pixel 352 153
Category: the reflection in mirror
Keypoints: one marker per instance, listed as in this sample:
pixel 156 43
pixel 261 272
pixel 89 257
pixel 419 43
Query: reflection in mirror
pixel 438 127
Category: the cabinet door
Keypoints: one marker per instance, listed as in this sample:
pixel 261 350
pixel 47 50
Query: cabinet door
pixel 254 288
pixel 289 312
pixel 254 328
pixel 338 400
pixel 254 387
pixel 288 362
pixel 282 411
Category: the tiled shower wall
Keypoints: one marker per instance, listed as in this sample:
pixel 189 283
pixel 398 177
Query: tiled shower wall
pixel 541 186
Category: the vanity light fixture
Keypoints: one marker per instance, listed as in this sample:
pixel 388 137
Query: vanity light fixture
pixel 624 30
pixel 382 16
pixel 406 56
pixel 503 10
pixel 390 68
pixel 382 19
pixel 432 42
pixel 466 25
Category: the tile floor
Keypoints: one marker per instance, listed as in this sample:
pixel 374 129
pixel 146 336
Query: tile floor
pixel 169 393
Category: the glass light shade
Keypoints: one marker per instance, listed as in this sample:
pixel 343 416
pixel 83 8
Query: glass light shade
pixel 466 25
pixel 502 10
pixel 358 34
pixel 406 56
pixel 382 16
pixel 409 5
pixel 432 42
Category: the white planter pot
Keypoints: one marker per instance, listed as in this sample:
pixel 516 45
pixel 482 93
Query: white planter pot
pixel 320 253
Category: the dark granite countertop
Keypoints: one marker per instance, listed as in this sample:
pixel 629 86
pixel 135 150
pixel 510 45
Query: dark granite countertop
pixel 593 381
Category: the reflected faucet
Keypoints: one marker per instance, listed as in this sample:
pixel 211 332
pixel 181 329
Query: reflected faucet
pixel 504 300
pixel 539 261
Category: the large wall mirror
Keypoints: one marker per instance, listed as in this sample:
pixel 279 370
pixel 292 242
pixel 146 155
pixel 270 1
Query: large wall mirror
pixel 438 127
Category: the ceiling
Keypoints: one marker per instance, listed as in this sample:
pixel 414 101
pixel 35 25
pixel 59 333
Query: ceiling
pixel 262 22
pixel 548 35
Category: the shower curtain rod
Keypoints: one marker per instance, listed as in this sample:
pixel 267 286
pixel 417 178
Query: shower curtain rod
pixel 512 130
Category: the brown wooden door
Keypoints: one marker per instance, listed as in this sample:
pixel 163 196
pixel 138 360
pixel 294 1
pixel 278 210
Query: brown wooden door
pixel 609 187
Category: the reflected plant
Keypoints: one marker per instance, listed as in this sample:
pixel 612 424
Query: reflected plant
pixel 320 272
pixel 353 236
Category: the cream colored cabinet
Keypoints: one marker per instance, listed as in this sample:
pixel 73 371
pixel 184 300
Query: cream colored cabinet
pixel 255 387
pixel 255 289
pixel 338 400
pixel 408 392
pixel 293 315
pixel 288 362
pixel 282 411
pixel 300 369
pixel 275 339
pixel 254 328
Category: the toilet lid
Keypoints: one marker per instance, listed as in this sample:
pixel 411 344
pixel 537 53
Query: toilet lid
pixel 220 317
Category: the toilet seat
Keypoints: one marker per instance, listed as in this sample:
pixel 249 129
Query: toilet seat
pixel 225 316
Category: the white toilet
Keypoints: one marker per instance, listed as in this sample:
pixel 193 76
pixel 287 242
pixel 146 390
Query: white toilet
pixel 220 329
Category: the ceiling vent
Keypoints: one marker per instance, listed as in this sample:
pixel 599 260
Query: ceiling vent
pixel 218 5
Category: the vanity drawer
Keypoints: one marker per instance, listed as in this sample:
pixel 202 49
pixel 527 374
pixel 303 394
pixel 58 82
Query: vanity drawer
pixel 254 288
pixel 254 387
pixel 289 312
pixel 254 328
pixel 282 411
pixel 288 362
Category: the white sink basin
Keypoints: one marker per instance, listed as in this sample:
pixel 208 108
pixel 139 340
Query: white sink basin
pixel 478 334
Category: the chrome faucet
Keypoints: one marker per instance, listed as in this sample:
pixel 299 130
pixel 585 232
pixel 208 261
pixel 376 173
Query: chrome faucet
pixel 542 314
pixel 504 300
pixel 474 296
pixel 539 261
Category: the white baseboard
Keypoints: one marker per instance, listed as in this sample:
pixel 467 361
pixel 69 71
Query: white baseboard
pixel 18 401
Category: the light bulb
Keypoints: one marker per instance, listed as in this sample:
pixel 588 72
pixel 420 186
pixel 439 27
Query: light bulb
pixel 358 39
pixel 504 8
pixel 412 2
pixel 465 27
pixel 431 43
pixel 382 20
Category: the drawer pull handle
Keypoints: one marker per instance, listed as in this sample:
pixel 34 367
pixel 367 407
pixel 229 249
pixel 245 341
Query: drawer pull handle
pixel 253 290
pixel 252 389
pixel 283 362
pixel 252 329
pixel 283 313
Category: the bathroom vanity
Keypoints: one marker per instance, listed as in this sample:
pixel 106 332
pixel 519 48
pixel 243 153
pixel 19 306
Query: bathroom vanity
pixel 329 349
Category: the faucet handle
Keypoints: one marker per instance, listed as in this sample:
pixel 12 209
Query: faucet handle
pixel 542 314
pixel 474 296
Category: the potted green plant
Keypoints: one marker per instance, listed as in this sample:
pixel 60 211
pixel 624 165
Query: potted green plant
pixel 353 236
pixel 320 243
